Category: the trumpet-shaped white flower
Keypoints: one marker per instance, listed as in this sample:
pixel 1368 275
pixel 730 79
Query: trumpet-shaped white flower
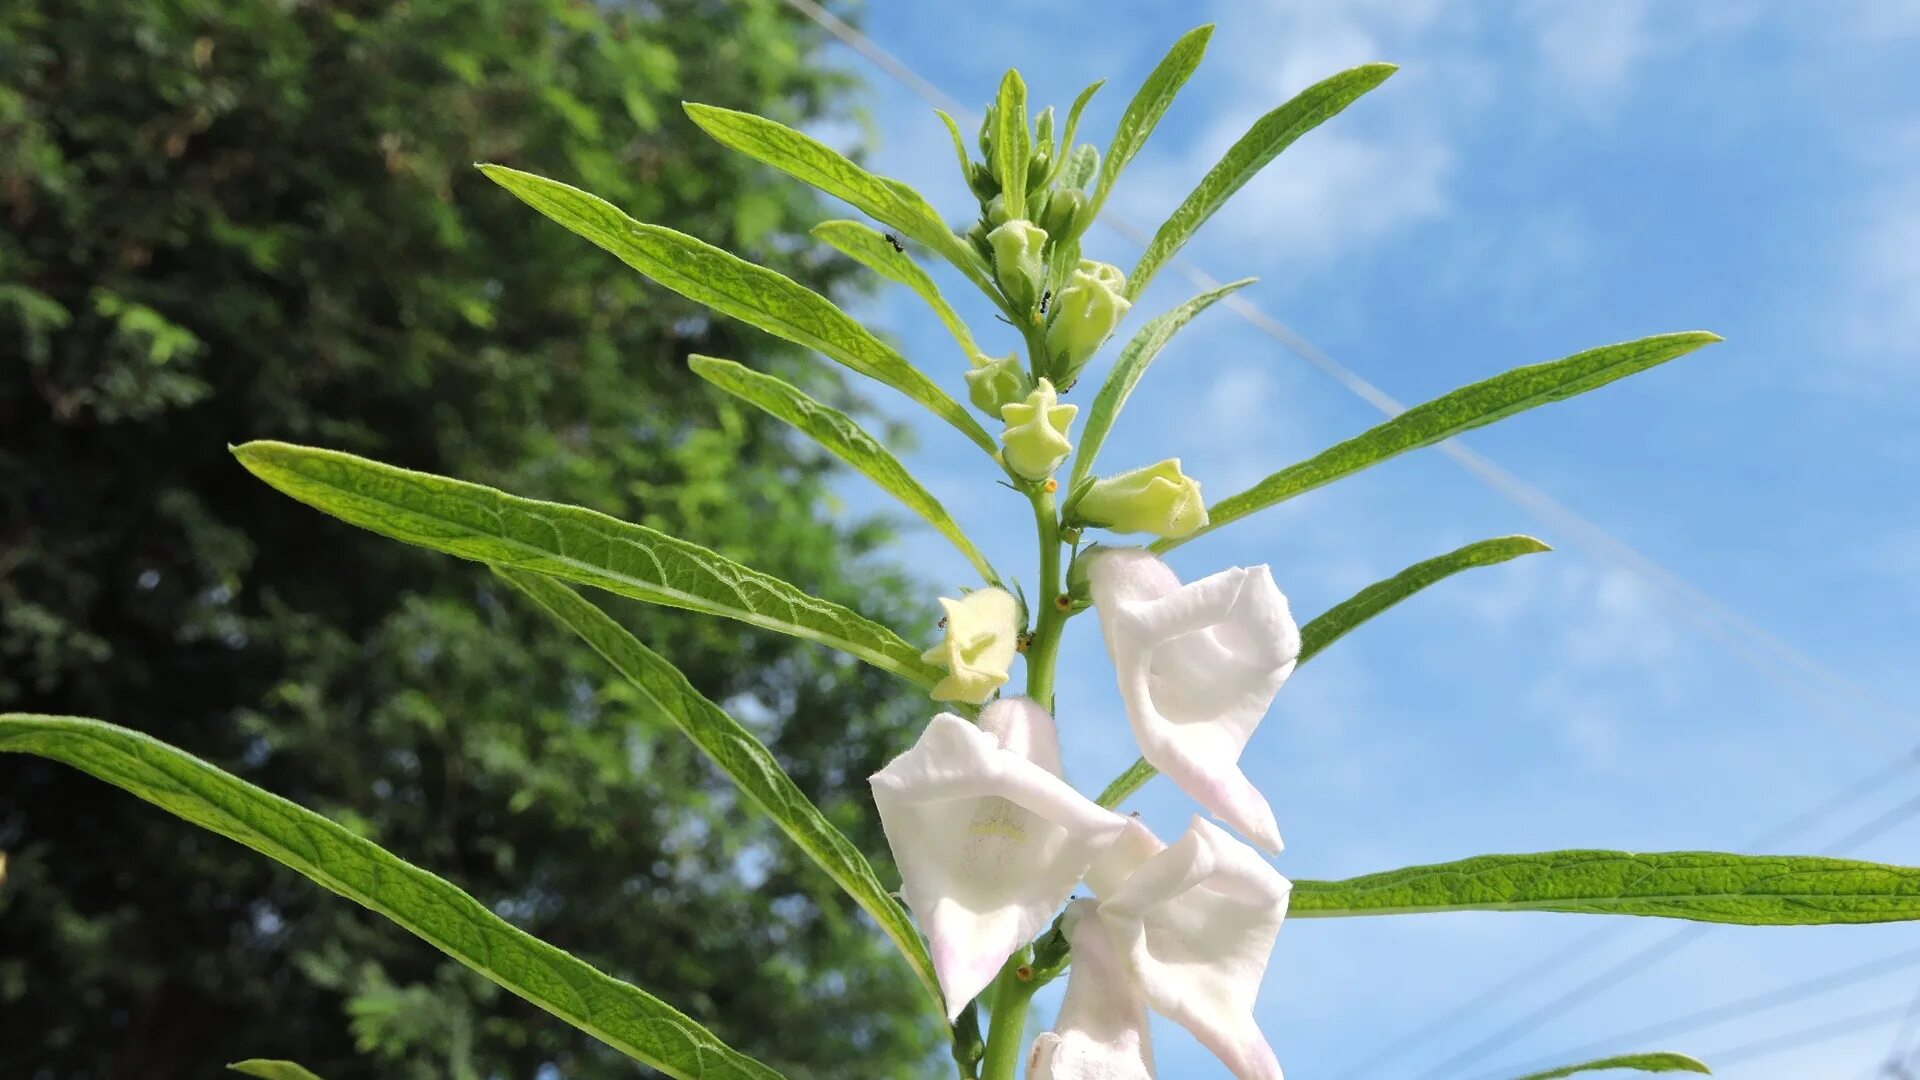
pixel 983 633
pixel 1194 925
pixel 1101 1033
pixel 989 840
pixel 1198 664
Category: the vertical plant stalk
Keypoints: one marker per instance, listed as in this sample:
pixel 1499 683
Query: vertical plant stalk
pixel 1011 997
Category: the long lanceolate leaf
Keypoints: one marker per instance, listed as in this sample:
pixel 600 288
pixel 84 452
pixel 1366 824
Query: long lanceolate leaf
pixel 1450 414
pixel 1702 886
pixel 847 440
pixel 1650 1063
pixel 1263 142
pixel 489 526
pixel 268 1069
pixel 1012 143
pixel 742 757
pixel 1334 623
pixel 1139 353
pixel 869 248
pixel 811 161
pixel 732 286
pixel 623 1016
pixel 1148 105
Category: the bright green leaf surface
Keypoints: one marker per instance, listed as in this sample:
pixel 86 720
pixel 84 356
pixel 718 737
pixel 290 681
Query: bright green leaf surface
pixel 847 440
pixel 811 161
pixel 1702 886
pixel 1263 142
pixel 1334 623
pixel 1127 371
pixel 732 286
pixel 1012 143
pixel 1639 1062
pixel 1065 149
pixel 1450 414
pixel 622 1016
pixel 869 247
pixel 745 760
pixel 1082 162
pixel 485 525
pixel 1149 104
pixel 959 142
pixel 272 1070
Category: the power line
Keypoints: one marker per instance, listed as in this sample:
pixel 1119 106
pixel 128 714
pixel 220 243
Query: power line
pixel 1821 687
pixel 1794 1040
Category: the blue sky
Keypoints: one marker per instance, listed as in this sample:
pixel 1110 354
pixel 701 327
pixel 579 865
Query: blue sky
pixel 1538 179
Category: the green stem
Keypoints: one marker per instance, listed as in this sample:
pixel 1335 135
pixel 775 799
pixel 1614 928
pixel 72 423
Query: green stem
pixel 1045 647
pixel 1011 996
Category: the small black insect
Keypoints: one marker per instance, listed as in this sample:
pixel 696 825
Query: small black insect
pixel 897 245
pixel 1044 297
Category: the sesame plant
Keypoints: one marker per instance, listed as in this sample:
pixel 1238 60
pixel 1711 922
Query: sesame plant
pixel 1010 876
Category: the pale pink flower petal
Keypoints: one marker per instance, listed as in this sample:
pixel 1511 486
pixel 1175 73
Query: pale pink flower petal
pixel 1101 1033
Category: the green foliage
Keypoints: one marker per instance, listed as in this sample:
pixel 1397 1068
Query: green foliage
pixel 228 220
pixel 1263 142
pixel 272 1070
pixel 1012 142
pixel 431 907
pixel 845 439
pixel 1150 103
pixel 871 249
pixel 1450 414
pixel 1704 886
pixel 1660 1062
pixel 479 523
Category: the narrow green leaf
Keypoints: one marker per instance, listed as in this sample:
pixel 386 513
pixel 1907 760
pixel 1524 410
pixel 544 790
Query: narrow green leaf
pixel 811 161
pixel 1148 105
pixel 489 526
pixel 1263 142
pixel 1450 414
pixel 1081 165
pixel 1012 143
pixel 732 286
pixel 1702 886
pixel 1140 352
pixel 1335 623
pixel 869 248
pixel 845 439
pixel 1652 1063
pixel 745 760
pixel 272 1070
pixel 959 148
pixel 432 908
pixel 1065 149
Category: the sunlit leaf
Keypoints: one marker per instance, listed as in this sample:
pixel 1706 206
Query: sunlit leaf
pixel 1652 1063
pixel 1334 623
pixel 272 1070
pixel 745 760
pixel 1450 414
pixel 1012 143
pixel 1081 165
pixel 489 526
pixel 1263 142
pixel 870 248
pixel 959 147
pixel 846 440
pixel 732 286
pixel 1062 152
pixel 432 908
pixel 1126 373
pixel 1149 104
pixel 1702 886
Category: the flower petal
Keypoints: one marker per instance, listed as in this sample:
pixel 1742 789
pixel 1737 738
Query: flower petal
pixel 1101 1033
pixel 1199 665
pixel 989 840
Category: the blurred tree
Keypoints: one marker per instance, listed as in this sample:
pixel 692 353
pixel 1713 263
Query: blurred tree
pixel 225 221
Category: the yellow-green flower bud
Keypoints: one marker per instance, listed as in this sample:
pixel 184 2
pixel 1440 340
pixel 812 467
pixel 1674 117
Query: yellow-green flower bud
pixel 1085 311
pixel 1018 247
pixel 1158 499
pixel 983 633
pixel 1062 216
pixel 1036 436
pixel 995 211
pixel 995 383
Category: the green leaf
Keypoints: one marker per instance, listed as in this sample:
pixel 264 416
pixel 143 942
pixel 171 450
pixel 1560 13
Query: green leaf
pixel 745 760
pixel 432 908
pixel 846 440
pixel 959 148
pixel 1263 142
pixel 489 526
pixel 732 286
pixel 1450 414
pixel 811 161
pixel 1641 1062
pixel 1148 105
pixel 1012 143
pixel 1140 352
pixel 272 1070
pixel 1702 886
pixel 1337 621
pixel 869 248
pixel 1065 149
pixel 1081 165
